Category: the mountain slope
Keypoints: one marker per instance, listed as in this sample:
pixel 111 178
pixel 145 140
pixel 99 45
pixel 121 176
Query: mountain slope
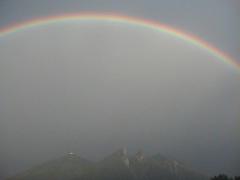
pixel 67 167
pixel 117 166
pixel 171 169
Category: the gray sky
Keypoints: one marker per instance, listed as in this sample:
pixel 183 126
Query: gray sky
pixel 93 87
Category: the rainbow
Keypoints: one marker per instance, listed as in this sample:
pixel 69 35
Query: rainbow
pixel 140 22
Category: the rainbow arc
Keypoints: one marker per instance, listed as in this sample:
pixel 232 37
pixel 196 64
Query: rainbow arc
pixel 139 22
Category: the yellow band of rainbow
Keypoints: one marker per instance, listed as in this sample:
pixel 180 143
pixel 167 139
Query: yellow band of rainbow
pixel 145 23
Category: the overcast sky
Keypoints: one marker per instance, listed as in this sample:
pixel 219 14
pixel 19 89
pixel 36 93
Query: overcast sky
pixel 94 87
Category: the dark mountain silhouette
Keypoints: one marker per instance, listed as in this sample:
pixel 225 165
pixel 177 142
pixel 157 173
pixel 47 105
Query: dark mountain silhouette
pixel 117 166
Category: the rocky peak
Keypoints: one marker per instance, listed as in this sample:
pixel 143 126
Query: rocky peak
pixel 120 153
pixel 124 156
pixel 139 156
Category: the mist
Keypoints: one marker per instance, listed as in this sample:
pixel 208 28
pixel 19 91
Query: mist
pixel 93 87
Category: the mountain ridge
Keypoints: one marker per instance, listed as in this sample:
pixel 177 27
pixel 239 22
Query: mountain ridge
pixel 118 166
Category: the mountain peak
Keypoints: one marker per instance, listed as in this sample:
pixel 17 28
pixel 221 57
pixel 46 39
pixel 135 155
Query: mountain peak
pixel 119 156
pixel 123 155
pixel 139 156
pixel 120 153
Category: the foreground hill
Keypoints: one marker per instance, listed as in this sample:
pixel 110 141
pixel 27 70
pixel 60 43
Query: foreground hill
pixel 117 166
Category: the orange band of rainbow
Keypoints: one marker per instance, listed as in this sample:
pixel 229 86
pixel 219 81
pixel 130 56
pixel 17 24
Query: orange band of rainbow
pixel 189 38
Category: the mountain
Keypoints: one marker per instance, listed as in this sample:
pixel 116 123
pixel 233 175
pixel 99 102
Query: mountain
pixel 171 169
pixel 117 166
pixel 159 167
pixel 67 167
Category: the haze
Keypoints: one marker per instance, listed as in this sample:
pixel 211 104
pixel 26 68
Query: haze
pixel 94 87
